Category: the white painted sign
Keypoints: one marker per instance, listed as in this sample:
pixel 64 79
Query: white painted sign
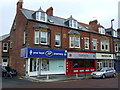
pixel 104 56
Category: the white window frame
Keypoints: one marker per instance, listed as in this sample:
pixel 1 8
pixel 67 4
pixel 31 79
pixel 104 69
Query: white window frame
pixel 71 41
pixel 101 30
pixel 5 46
pixel 116 47
pixel 44 36
pixel 102 43
pixel 24 37
pixel 37 36
pixel 86 43
pixel 74 41
pixel 95 44
pixel 58 39
pixel 77 41
pixel 107 43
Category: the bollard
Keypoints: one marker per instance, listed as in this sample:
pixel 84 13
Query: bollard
pixel 47 77
pixel 76 75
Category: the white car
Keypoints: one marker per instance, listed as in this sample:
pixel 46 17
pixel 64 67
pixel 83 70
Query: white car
pixel 104 72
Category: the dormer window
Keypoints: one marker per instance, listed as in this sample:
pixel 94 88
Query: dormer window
pixel 101 30
pixel 73 23
pixel 114 33
pixel 40 15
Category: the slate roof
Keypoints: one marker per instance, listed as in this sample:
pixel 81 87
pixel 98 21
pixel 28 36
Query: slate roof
pixel 51 19
pixel 4 37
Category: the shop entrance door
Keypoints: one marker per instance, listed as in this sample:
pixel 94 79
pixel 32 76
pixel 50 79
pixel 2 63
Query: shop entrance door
pixel 99 65
pixel 33 67
pixel 44 66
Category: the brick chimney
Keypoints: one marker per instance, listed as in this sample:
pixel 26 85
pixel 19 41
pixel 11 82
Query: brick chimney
pixel 19 5
pixel 49 11
pixel 93 25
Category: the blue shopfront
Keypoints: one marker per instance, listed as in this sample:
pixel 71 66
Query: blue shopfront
pixel 44 61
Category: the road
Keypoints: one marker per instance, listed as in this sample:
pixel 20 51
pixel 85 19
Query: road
pixel 86 83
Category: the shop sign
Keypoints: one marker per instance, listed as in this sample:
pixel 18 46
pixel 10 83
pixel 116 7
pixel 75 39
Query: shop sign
pixel 104 56
pixel 76 55
pixel 43 53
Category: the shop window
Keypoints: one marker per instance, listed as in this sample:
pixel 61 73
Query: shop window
pixel 111 63
pixel 33 65
pixel 83 63
pixel 5 47
pixel 57 40
pixel 105 63
pixel 74 41
pixel 86 43
pixel 45 65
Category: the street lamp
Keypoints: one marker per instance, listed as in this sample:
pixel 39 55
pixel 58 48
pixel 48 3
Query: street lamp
pixel 112 23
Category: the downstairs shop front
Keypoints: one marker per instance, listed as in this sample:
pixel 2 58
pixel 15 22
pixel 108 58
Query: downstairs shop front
pixel 44 61
pixel 105 60
pixel 79 62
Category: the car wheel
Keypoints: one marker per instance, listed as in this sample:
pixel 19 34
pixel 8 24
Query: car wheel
pixel 114 75
pixel 103 76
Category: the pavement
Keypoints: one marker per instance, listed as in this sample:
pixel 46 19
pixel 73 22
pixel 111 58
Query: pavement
pixel 53 78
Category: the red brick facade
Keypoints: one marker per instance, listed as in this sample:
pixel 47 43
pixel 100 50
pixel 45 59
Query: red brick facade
pixel 25 25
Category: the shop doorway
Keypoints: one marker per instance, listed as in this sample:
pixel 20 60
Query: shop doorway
pixel 34 69
pixel 99 65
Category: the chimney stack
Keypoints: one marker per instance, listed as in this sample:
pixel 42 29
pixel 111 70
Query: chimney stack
pixel 49 11
pixel 19 5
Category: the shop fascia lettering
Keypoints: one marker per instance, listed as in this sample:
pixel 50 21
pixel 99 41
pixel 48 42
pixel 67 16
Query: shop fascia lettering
pixel 81 55
pixel 104 56
pixel 43 53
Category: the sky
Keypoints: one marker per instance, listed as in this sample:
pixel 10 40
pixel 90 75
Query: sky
pixel 81 10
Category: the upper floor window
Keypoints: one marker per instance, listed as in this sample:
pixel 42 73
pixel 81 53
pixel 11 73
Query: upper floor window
pixel 57 40
pixel 94 44
pixel 86 43
pixel 101 30
pixel 5 47
pixel 73 23
pixel 114 33
pixel 104 45
pixel 37 36
pixel 74 41
pixel 116 47
pixel 107 45
pixel 41 37
pixel 41 16
pixel 24 37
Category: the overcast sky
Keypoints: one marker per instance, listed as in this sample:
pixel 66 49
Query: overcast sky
pixel 82 10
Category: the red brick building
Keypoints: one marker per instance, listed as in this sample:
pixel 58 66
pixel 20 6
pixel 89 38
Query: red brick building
pixel 42 44
pixel 4 49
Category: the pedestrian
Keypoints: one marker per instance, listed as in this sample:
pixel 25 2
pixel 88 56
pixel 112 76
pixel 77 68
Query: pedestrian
pixel 8 71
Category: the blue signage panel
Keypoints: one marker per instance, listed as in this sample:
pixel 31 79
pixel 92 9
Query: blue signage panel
pixel 43 53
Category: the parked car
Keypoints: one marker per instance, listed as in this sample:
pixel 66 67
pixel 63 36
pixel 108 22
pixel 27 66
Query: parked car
pixel 13 72
pixel 104 72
